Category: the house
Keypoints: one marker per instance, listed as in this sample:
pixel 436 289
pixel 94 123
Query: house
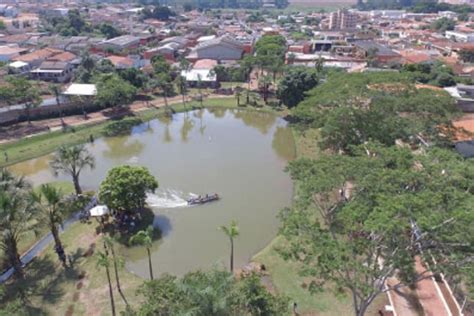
pixel 18 68
pixel 221 48
pixel 122 62
pixel 460 36
pixel 55 71
pixel 380 53
pixel 464 96
pixel 7 53
pixel 119 44
pixel 35 58
pixel 201 73
pixel 9 11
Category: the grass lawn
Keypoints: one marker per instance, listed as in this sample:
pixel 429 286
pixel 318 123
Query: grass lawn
pixel 80 290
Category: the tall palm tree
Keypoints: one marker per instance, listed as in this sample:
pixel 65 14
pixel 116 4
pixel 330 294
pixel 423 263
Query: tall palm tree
pixel 49 200
pixel 16 213
pixel 56 91
pixel 264 84
pixel 72 160
pixel 109 244
pixel 145 238
pixel 232 232
pixel 238 94
pixel 182 87
pixel 103 262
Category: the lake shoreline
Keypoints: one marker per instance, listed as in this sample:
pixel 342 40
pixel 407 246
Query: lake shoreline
pixel 44 143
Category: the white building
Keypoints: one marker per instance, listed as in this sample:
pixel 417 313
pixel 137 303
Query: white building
pixel 460 36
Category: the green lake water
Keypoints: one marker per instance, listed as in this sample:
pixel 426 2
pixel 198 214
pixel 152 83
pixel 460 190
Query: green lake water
pixel 238 154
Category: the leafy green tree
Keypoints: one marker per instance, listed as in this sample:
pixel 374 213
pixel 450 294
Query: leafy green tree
pixel 2 25
pixel 296 81
pixel 134 76
pixel 49 200
pixel 467 55
pixel 145 238
pixel 109 31
pixel 351 109
pixel 113 91
pixel 72 160
pixel 443 24
pixel 23 92
pixel 264 84
pixel 103 261
pixel 16 213
pixel 232 232
pixel 362 219
pixel 213 292
pixel 125 188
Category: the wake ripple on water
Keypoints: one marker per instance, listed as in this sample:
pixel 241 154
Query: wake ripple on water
pixel 168 198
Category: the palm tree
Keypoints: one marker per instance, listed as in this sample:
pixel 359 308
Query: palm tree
pixel 232 232
pixel 72 160
pixel 103 261
pixel 199 85
pixel 109 244
pixel 56 91
pixel 264 84
pixel 49 201
pixel 238 94
pixel 181 83
pixel 16 213
pixel 145 238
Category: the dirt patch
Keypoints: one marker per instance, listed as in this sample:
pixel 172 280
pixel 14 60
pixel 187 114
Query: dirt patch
pixel 79 285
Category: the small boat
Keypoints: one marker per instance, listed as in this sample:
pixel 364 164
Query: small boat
pixel 203 199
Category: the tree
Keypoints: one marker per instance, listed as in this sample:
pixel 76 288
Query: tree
pixel 467 55
pixel 72 160
pixel 109 31
pixel 113 91
pixel 49 201
pixel 109 245
pixel 16 214
pixel 56 91
pixel 23 92
pixel 238 95
pixel 145 238
pixel 212 292
pixel 182 88
pixel 104 262
pixel 134 76
pixel 264 84
pixel 296 81
pixel 2 25
pixel 443 24
pixel 351 109
pixel 339 232
pixel 232 232
pixel 125 188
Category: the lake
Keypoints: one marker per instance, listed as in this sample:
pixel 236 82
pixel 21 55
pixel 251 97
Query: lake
pixel 238 154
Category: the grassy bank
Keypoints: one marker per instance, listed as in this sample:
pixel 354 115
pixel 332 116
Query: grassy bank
pixel 39 145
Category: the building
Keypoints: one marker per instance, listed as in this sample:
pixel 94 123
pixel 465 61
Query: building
pixel 342 19
pixel 55 71
pixel 201 73
pixel 379 53
pixel 9 11
pixel 464 96
pixel 119 43
pixel 460 36
pixel 7 53
pixel 221 48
